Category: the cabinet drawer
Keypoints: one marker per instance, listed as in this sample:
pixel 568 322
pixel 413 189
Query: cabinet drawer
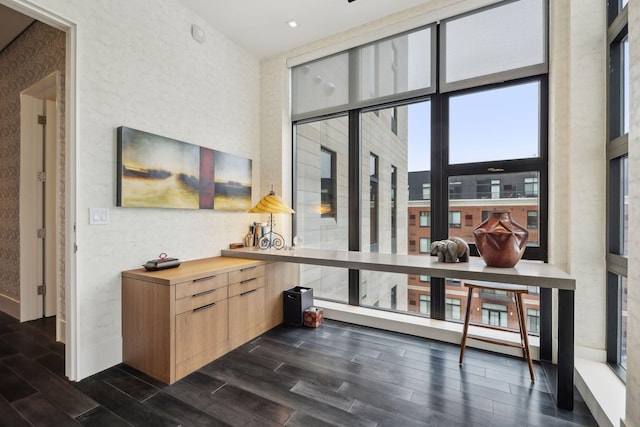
pixel 245 286
pixel 246 316
pixel 200 300
pixel 199 286
pixel 201 330
pixel 246 273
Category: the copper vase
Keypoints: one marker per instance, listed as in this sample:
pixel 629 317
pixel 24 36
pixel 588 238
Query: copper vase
pixel 500 240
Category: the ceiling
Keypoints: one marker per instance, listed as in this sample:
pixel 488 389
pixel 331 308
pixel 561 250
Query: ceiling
pixel 12 23
pixel 260 26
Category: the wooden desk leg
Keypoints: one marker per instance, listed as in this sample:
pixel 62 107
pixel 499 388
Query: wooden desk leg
pixel 564 391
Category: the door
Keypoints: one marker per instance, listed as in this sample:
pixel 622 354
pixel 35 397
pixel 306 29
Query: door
pixel 39 213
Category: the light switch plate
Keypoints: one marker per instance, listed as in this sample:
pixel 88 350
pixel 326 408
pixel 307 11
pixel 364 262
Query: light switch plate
pixel 98 216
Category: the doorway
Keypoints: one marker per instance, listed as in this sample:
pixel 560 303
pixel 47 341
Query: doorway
pixel 62 302
pixel 40 210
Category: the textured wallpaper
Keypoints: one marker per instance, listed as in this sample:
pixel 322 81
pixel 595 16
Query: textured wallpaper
pixel 38 52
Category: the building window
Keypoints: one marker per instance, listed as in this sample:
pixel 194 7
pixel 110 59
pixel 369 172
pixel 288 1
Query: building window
pixel 531 187
pixel 455 219
pixel 412 219
pixel 452 308
pixel 533 321
pixel 425 219
pixel 494 314
pixel 424 278
pixel 425 304
pixel 468 220
pixel 485 215
pixel 453 282
pixel 425 245
pixel 532 220
pixel 394 297
pixel 394 120
pixel 455 190
pixel 394 209
pixel 412 245
pixel 495 188
pixel 426 191
pixel 327 183
pixel 373 202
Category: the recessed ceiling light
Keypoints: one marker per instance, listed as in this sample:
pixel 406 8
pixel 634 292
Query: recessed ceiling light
pixel 292 24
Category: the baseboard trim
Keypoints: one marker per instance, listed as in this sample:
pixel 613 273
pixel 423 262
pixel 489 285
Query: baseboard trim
pixel 10 306
pixel 98 357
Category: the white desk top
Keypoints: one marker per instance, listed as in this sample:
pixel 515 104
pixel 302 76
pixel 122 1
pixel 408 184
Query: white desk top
pixel 530 273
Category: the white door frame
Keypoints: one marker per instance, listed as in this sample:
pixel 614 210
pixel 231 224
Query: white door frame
pixel 71 129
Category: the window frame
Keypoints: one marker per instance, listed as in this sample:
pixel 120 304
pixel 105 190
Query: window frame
pixel 440 170
pixel 617 148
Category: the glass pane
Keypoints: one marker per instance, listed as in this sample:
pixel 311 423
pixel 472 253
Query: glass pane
pixel 619 89
pixel 384 290
pixel 328 183
pixel 400 160
pixel 497 124
pixel 625 206
pixel 623 322
pixel 318 145
pixel 625 85
pixel 496 39
pixel 320 84
pixel 471 197
pixel 396 65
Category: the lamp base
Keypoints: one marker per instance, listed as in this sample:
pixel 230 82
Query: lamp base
pixel 271 240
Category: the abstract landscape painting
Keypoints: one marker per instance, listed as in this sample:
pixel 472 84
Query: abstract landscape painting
pixel 159 172
pixel 232 182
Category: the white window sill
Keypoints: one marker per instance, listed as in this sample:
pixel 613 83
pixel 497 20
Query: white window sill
pixel 602 390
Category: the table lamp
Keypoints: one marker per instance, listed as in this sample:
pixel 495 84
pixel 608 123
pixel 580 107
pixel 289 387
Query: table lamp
pixel 271 204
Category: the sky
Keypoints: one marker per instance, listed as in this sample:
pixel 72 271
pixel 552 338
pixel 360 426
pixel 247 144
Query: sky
pixel 497 124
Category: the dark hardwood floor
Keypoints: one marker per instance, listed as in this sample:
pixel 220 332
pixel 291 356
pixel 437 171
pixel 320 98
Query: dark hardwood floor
pixel 337 374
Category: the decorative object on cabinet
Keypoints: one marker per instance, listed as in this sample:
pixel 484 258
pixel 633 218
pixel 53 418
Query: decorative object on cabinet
pixel 271 204
pixel 161 263
pixel 453 249
pixel 158 172
pixel 500 240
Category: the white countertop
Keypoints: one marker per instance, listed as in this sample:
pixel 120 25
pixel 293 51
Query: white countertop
pixel 532 273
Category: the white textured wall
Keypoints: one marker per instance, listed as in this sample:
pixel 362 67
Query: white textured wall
pixel 138 66
pixel 633 302
pixel 577 166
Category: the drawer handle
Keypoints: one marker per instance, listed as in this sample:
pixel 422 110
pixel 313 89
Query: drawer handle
pixel 247 269
pixel 204 307
pixel 210 291
pixel 202 279
pixel 248 292
pixel 248 280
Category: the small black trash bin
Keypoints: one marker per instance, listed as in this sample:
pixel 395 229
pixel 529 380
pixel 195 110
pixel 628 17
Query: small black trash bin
pixel 295 301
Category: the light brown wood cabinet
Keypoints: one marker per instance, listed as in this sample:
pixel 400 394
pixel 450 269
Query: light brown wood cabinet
pixel 177 320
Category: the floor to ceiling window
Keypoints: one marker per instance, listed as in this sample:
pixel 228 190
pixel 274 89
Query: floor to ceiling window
pixel 428 137
pixel 618 184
